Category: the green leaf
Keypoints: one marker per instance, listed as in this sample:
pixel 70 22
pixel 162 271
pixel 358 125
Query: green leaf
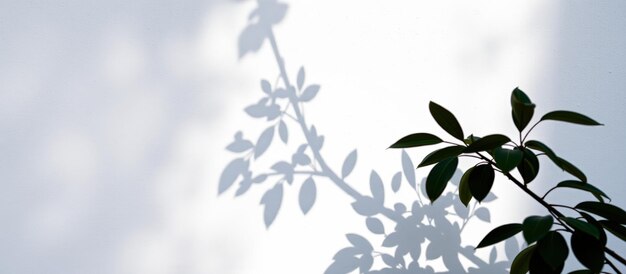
pixel 536 145
pixel 507 159
pixel 441 154
pixel 560 162
pixel 529 166
pixel 582 226
pixel 535 227
pixel 522 261
pixel 570 117
pixel 464 190
pixel 538 265
pixel 446 120
pixel 487 143
pixel 585 187
pixel 588 250
pixel 439 176
pixel 522 109
pixel 608 211
pixel 499 234
pixel 553 249
pixel 480 181
pixel 592 221
pixel 416 140
pixel 615 228
pixel 571 169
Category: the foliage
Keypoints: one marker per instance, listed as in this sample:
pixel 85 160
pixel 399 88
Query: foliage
pixel 405 235
pixel 497 153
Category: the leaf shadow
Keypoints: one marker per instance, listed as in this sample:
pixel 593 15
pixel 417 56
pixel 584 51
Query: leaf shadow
pixel 403 231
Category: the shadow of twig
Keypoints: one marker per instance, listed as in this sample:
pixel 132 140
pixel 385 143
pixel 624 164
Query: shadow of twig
pixel 439 225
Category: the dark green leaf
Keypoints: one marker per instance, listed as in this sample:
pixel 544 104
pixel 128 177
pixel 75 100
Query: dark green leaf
pixel 583 186
pixel 560 162
pixel 439 176
pixel 615 228
pixel 582 226
pixel 480 181
pixel 592 221
pixel 570 117
pixel 588 250
pixel 608 211
pixel 536 145
pixel 535 227
pixel 416 140
pixel 441 154
pixel 538 265
pixel 571 169
pixel 529 166
pixel 522 109
pixel 487 143
pixel 446 120
pixel 553 249
pixel 499 234
pixel 464 190
pixel 521 262
pixel 507 159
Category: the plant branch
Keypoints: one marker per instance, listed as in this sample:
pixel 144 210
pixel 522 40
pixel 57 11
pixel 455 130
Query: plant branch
pixel 553 211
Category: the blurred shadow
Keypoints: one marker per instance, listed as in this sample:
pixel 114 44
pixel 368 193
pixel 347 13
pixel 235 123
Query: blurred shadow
pixel 83 155
pixel 439 224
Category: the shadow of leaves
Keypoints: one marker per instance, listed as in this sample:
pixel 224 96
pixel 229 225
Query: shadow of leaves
pixel 401 232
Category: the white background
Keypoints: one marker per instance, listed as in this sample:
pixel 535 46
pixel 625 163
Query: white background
pixel 115 115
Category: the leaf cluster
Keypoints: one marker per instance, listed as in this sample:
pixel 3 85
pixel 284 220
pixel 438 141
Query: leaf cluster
pixel 518 161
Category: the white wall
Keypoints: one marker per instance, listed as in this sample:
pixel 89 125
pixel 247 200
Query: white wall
pixel 115 117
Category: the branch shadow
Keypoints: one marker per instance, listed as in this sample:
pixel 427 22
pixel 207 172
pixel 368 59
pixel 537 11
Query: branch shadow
pixel 436 227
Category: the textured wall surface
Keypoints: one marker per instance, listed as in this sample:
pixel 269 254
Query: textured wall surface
pixel 115 117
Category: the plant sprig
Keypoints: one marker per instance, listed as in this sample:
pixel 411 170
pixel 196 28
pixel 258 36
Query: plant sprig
pixel 548 249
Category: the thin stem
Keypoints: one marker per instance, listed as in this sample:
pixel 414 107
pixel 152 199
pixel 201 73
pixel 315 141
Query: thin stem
pixel 528 132
pixel 613 266
pixel 544 195
pixel 564 206
pixel 553 211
